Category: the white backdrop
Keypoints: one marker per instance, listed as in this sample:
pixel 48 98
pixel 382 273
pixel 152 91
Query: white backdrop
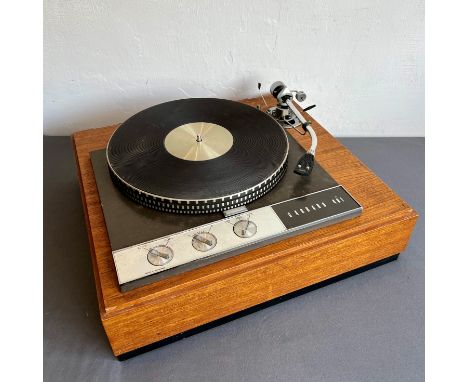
pixel 360 61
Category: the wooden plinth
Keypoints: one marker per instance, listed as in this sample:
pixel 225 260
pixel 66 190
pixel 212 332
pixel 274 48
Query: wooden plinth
pixel 181 303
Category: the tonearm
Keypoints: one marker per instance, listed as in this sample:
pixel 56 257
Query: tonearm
pixel 286 113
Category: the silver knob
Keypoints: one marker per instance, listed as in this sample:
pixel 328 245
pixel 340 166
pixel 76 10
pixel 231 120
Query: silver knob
pixel 300 96
pixel 160 255
pixel 204 241
pixel 245 228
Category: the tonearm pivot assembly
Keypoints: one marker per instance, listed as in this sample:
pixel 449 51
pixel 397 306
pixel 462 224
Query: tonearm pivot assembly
pixel 286 113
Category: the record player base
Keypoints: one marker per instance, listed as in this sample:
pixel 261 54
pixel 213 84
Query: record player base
pixel 253 309
pixel 185 304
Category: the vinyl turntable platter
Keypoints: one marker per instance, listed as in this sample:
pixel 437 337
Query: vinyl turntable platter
pixel 197 155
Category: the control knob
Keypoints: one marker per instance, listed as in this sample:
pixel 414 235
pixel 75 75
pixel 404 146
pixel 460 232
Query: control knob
pixel 204 241
pixel 245 228
pixel 160 255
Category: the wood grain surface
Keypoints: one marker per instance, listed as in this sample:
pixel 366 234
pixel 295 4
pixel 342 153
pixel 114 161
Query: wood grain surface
pixel 154 312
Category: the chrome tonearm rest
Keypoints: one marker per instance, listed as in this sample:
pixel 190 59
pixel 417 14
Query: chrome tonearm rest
pixel 286 113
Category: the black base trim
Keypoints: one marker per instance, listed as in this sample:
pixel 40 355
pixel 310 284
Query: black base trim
pixel 253 309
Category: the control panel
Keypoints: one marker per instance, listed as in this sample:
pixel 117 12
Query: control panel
pixel 244 231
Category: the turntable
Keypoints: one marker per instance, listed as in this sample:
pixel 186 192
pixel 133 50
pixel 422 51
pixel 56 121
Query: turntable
pixel 200 210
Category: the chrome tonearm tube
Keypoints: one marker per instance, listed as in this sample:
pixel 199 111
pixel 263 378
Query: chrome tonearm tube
pixel 286 113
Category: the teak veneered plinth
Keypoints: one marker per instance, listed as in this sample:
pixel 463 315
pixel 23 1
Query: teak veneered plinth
pixel 157 312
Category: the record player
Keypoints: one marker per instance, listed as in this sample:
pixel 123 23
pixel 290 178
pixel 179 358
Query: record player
pixel 200 210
